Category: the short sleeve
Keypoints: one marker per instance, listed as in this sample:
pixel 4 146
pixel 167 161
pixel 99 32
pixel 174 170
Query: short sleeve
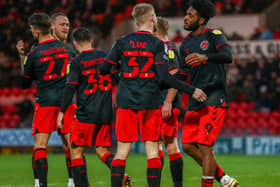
pixel 219 39
pixel 73 72
pixel 114 55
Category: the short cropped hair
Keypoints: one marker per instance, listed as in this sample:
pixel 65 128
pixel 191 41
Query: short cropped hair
pixel 40 21
pixel 81 35
pixel 55 15
pixel 162 26
pixel 205 8
pixel 140 12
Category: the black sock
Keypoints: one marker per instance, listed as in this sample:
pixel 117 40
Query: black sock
pixel 41 166
pixel 79 172
pixel 176 167
pixel 107 159
pixel 161 156
pixel 117 172
pixel 68 163
pixel 154 172
pixel 34 165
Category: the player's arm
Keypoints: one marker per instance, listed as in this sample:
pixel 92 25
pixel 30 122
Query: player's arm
pixel 166 109
pixel 111 59
pixel 73 71
pixel 27 71
pixel 184 69
pixel 222 54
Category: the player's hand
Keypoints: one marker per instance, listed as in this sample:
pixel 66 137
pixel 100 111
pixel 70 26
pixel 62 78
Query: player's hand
pixel 195 58
pixel 199 95
pixel 60 120
pixel 20 47
pixel 166 110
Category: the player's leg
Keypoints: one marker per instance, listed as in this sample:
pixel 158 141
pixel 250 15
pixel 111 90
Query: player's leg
pixel 175 159
pixel 126 133
pixel 170 130
pixel 154 163
pixel 102 143
pixel 161 152
pixel 79 167
pixel 44 123
pixel 65 137
pixel 118 163
pixel 40 156
pixel 104 155
pixel 36 178
pixel 82 135
pixel 150 129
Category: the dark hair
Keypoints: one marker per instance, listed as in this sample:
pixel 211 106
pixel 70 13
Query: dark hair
pixel 205 8
pixel 81 34
pixel 55 15
pixel 162 26
pixel 40 21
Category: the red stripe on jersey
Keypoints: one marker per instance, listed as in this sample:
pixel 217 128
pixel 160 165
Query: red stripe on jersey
pixel 183 73
pixel 146 53
pixel 112 62
pixel 72 83
pixel 219 45
pixel 131 53
pixel 143 32
pixel 169 69
pixel 87 50
pixel 116 71
pixel 26 76
pixel 89 71
pixel 46 41
pixel 159 63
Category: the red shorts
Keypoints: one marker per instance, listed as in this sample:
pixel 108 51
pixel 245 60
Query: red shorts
pixel 170 126
pixel 128 122
pixel 202 126
pixel 44 120
pixel 88 134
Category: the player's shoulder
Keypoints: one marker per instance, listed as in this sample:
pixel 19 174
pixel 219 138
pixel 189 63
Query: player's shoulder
pixel 100 53
pixel 215 32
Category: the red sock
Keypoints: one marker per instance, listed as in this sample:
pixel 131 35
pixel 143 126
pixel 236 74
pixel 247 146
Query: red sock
pixel 207 181
pixel 107 159
pixel 219 172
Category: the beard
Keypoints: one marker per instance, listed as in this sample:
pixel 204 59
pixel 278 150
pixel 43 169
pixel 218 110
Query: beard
pixel 192 27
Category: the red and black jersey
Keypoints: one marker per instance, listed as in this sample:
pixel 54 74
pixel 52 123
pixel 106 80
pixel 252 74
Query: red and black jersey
pixel 138 85
pixel 46 64
pixel 209 76
pixel 93 91
pixel 172 60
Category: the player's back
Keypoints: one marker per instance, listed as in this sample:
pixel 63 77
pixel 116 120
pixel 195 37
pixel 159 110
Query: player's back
pixel 172 60
pixel 94 96
pixel 138 86
pixel 47 63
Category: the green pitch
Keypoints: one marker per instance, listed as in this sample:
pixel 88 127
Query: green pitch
pixel 251 171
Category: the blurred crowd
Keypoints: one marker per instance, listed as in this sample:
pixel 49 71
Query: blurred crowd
pixel 254 80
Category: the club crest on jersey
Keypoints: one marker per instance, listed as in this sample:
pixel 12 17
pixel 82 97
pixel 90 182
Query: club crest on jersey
pixel 204 45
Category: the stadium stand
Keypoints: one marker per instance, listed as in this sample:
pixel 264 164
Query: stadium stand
pixel 254 84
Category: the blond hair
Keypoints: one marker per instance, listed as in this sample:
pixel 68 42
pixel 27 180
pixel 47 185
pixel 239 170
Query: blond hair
pixel 141 11
pixel 162 26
